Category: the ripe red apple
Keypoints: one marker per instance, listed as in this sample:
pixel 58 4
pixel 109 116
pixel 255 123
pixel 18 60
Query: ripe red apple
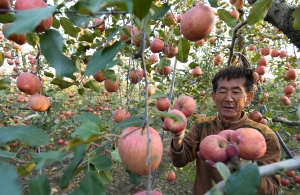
pixel 294 84
pixel 186 104
pixel 135 76
pixel 18 38
pixel 163 104
pixel 226 134
pixel 133 149
pixel 285 182
pixel 249 142
pixel 275 53
pixel 60 141
pixel 292 74
pixel 296 179
pixel 176 127
pixel 235 14
pixel 97 21
pixel 264 121
pixel 170 176
pixel 266 51
pixel 120 115
pixel 196 72
pixel 165 70
pixel 136 36
pixel 214 147
pixel 153 58
pixel 170 51
pixel 98 76
pixel 289 89
pixel 151 90
pixel 252 47
pixel 28 83
pixel 38 103
pixel 197 22
pixel 157 45
pixel 237 3
pixel 283 54
pixel 261 70
pixel 255 116
pixel 145 193
pixel 33 4
pixel 285 100
pixel 171 16
pixel 290 173
pixel 5 4
pixel 124 37
pixel 111 86
pixel 298 137
pixel 200 42
pixel 262 62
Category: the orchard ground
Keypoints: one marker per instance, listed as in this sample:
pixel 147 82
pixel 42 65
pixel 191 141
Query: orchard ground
pixel 121 181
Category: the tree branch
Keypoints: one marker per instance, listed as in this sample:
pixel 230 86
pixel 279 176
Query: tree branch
pixel 285 121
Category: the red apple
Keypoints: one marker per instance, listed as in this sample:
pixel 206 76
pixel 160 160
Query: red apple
pixel 265 51
pixel 196 72
pixel 200 42
pixel 214 147
pixel 5 4
pixel 165 70
pixel 97 21
pixel 151 90
pixel 290 173
pixel 235 14
pixel 176 127
pixel 170 51
pixel 285 100
pixel 197 22
pixel 275 53
pixel 262 62
pixel 28 83
pixel 18 38
pixel 296 179
pixel 261 70
pixel 157 45
pixel 170 176
pixel 237 3
pixel 249 142
pixel 98 76
pixel 292 74
pixel 133 149
pixel 226 134
pixel 298 137
pixel 120 115
pixel 255 116
pixel 111 86
pixel 135 76
pixel 60 141
pixel 285 182
pixel 38 103
pixel 186 104
pixel 163 104
pixel 124 37
pixel 153 58
pixel 252 47
pixel 283 54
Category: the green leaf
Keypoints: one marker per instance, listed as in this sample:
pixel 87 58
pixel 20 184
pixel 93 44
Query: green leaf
pixel 87 116
pixel 134 178
pixel 226 17
pixel 92 184
pixel 183 50
pixel 39 185
pixel 78 19
pixel 93 85
pixel 244 181
pixel 27 20
pixel 101 162
pixel 160 12
pixel 113 63
pixel 32 39
pixel 193 65
pixel 51 46
pixel 258 11
pixel 157 95
pixel 296 16
pixel 175 117
pixel 141 8
pixel 9 180
pixel 106 176
pixel 161 63
pixel 85 130
pixel 48 74
pixel 69 171
pixel 68 27
pixel 4 154
pixel 26 169
pixel 213 3
pixel 1 58
pixel 3 85
pixel 102 57
pixel 116 156
pixel 61 83
pixel 121 4
pixel 6 18
pixel 215 191
pixel 29 134
pixel 132 121
pixel 223 170
pixel 45 157
pixel 268 115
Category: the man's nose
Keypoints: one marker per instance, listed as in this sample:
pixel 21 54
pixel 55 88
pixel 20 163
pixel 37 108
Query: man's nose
pixel 228 97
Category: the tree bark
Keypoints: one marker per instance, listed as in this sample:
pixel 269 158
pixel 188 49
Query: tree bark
pixel 280 15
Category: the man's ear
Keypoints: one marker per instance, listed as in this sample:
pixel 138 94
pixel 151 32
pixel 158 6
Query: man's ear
pixel 250 96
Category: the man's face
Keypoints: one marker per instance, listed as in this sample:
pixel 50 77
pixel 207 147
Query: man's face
pixel 231 98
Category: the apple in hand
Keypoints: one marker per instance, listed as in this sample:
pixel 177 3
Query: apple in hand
pixel 226 134
pixel 176 127
pixel 249 142
pixel 214 148
pixel 186 104
pixel 133 149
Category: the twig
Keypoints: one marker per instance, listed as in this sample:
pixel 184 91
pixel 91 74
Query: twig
pixel 286 121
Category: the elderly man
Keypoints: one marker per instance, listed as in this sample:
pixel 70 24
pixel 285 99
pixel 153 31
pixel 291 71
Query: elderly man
pixel 232 91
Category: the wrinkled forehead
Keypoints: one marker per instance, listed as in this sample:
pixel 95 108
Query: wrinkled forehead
pixel 231 83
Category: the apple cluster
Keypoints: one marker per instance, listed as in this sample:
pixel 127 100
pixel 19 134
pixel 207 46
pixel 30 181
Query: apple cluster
pixel 247 143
